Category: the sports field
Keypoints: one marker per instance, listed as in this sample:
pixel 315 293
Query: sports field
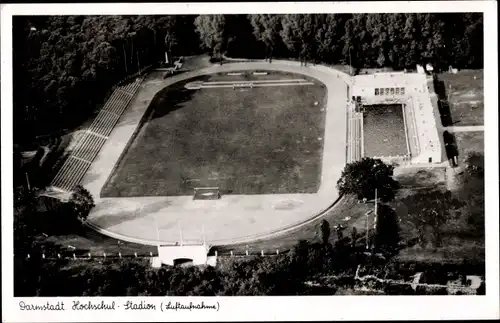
pixel 259 140
pixel 383 131
pixel 465 91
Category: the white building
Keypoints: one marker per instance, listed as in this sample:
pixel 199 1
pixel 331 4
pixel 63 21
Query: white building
pixel 410 90
pixel 171 255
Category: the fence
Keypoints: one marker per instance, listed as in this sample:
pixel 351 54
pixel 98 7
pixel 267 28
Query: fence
pixel 132 76
pixel 78 255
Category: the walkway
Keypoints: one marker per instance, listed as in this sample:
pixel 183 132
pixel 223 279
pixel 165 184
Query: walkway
pixel 464 128
pixel 233 218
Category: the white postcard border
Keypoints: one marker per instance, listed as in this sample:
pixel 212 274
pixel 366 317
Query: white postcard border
pixel 266 308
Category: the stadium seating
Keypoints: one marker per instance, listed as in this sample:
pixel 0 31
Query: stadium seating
pixel 94 138
pixel 354 135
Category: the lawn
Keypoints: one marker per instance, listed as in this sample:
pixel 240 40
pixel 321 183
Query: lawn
pixel 469 142
pixel 383 131
pixel 245 141
pixel 466 96
pixel 418 178
pixel 86 240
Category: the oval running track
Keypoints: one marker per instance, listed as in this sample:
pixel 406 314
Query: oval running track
pixel 234 218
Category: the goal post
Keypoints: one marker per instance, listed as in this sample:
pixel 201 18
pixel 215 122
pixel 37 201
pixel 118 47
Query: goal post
pixel 206 193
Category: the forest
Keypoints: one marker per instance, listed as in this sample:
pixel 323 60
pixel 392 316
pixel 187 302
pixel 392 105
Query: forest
pixel 65 65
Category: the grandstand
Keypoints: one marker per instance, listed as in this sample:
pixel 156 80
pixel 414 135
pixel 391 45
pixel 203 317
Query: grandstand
pixel 355 136
pixel 92 140
pixel 408 90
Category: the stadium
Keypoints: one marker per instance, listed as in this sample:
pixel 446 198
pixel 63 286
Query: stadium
pixel 240 152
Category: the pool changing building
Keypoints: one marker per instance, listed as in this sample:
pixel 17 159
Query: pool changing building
pixel 415 92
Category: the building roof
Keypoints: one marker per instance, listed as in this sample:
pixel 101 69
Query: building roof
pixel 198 253
pixel 395 79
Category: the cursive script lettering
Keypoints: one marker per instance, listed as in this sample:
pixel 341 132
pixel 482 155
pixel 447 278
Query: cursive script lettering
pixel 129 305
pixel 190 306
pixel 78 306
pixel 59 306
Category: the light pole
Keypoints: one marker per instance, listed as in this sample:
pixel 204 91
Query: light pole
pixel 367 229
pixel 180 234
pixel 350 62
pixel 28 181
pixel 138 62
pixel 125 58
pixel 158 240
pixel 375 218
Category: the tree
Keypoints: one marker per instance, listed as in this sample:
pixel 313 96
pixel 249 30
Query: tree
pixel 471 190
pixel 429 212
pixel 474 164
pixel 340 234
pixel 387 230
pixel 362 177
pixel 298 32
pixel 212 32
pixel 395 26
pixel 266 28
pixel 354 236
pixel 324 232
pixel 328 37
pixel 65 65
pixel 348 41
pixel 170 41
pixel 81 202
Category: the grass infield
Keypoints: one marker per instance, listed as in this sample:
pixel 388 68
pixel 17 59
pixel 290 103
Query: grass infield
pixel 259 140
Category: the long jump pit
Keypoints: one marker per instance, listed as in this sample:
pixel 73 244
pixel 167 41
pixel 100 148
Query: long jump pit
pixel 226 154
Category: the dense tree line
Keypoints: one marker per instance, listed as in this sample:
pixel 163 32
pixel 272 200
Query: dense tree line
pixel 275 275
pixel 64 65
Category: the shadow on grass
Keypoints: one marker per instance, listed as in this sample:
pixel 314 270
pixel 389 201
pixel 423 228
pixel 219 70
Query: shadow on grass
pixel 443 104
pixel 445 113
pixel 172 98
pixel 439 87
pixel 164 102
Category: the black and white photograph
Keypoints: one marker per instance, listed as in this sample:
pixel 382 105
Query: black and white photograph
pixel 162 158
